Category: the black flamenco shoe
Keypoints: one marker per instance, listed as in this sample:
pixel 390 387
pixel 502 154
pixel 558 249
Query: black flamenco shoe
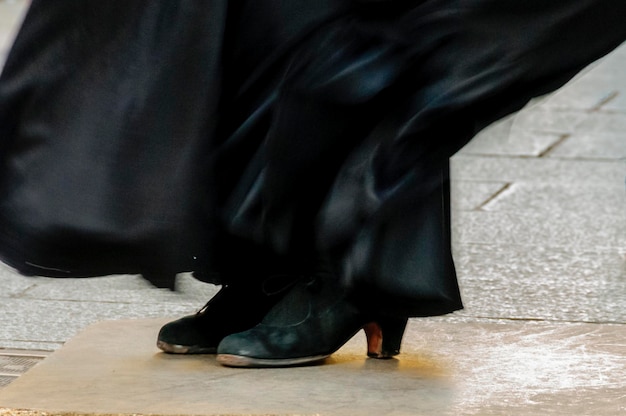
pixel 232 309
pixel 309 324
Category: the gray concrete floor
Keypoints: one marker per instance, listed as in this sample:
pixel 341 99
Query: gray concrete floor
pixel 539 220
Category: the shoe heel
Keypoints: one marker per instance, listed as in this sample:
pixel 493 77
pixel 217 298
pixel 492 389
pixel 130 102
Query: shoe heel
pixel 384 337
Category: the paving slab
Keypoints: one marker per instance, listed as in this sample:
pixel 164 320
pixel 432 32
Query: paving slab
pixel 11 13
pixel 12 283
pixel 14 363
pixel 593 89
pixel 566 228
pixel 42 313
pixel 521 368
pixel 502 139
pixel 596 145
pixel 118 288
pixel 557 199
pixel 536 117
pixel 537 170
pixel 55 322
pixel 617 104
pixel 472 195
pixel 607 122
pixel 542 283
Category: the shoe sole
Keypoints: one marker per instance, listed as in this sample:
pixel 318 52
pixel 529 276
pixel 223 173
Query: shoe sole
pixel 230 360
pixel 184 349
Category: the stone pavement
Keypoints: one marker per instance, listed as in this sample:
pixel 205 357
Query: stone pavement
pixel 539 229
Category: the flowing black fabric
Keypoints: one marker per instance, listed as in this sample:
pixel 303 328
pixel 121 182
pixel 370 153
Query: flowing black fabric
pixel 237 138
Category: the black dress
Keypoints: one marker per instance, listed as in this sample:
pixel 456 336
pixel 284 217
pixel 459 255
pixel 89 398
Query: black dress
pixel 236 138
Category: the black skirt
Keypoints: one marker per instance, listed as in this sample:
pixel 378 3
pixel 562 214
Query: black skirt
pixel 240 138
